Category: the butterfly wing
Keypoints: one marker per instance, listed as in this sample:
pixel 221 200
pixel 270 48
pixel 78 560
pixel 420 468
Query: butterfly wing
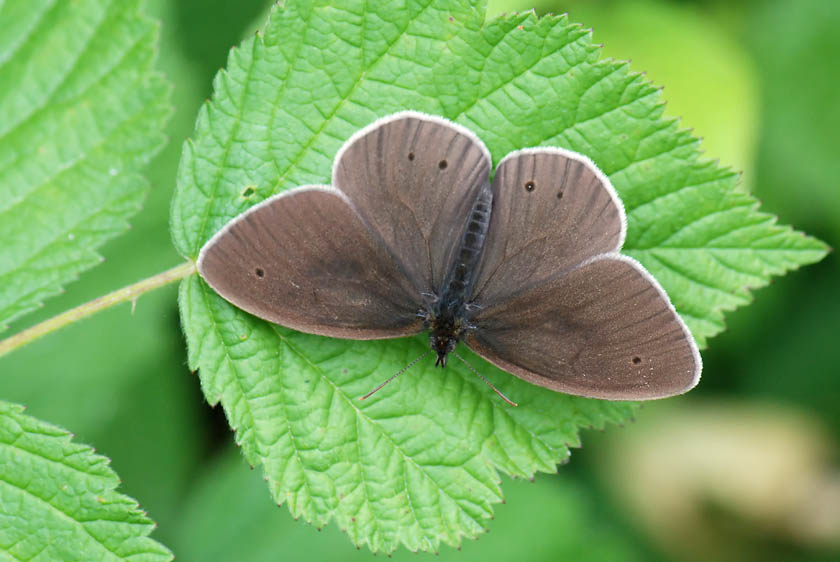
pixel 414 178
pixel 604 330
pixel 552 210
pixel 306 259
pixel 556 305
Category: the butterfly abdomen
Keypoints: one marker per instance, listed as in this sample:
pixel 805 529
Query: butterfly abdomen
pixel 462 272
pixel 447 319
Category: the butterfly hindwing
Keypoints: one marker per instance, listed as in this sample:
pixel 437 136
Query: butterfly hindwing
pixel 606 329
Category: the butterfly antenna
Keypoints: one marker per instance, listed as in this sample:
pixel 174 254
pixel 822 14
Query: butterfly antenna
pixel 490 384
pixel 395 375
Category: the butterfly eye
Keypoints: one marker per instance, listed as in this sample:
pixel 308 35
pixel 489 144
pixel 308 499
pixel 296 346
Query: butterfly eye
pixel 443 164
pixel 260 272
pixel 529 186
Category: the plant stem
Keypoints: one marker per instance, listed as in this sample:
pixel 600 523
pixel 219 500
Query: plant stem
pixel 125 294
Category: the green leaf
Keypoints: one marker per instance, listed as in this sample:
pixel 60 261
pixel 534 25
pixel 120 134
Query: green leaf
pixel 571 526
pixel 57 499
pixel 418 463
pixel 81 111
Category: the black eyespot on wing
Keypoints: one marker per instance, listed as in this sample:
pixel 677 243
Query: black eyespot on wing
pixel 637 360
pixel 443 164
pixel 260 272
pixel 411 156
pixel 529 186
pixel 559 194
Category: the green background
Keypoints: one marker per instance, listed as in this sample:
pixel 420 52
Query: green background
pixel 758 81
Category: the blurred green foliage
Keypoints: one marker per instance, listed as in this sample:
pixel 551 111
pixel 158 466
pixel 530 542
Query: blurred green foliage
pixel 757 79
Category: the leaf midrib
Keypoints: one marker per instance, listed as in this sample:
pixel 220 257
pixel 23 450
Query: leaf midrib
pixel 63 514
pixel 10 55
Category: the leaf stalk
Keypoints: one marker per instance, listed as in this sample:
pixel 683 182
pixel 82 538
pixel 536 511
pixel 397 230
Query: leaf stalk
pixel 126 294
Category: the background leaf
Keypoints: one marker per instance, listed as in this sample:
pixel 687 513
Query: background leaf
pixel 57 499
pixel 799 145
pixel 81 110
pixel 418 463
pixel 119 379
pixel 797 171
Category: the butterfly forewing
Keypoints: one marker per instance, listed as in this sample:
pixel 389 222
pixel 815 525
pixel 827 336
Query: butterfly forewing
pixel 604 330
pixel 552 210
pixel 306 260
pixel 414 179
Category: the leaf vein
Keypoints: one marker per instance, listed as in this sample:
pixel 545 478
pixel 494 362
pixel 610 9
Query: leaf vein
pixel 80 57
pixel 54 508
pixel 327 120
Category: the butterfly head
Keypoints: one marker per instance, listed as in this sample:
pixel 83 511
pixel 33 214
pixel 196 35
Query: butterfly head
pixel 444 337
pixel 442 344
pixel 445 322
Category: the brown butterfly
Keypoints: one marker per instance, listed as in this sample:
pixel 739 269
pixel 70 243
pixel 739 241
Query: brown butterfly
pixel 412 236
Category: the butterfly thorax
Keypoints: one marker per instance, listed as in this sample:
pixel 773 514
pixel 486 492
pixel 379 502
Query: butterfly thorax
pixel 447 319
pixel 445 333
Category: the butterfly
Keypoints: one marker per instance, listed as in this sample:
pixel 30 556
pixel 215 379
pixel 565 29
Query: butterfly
pixel 413 236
